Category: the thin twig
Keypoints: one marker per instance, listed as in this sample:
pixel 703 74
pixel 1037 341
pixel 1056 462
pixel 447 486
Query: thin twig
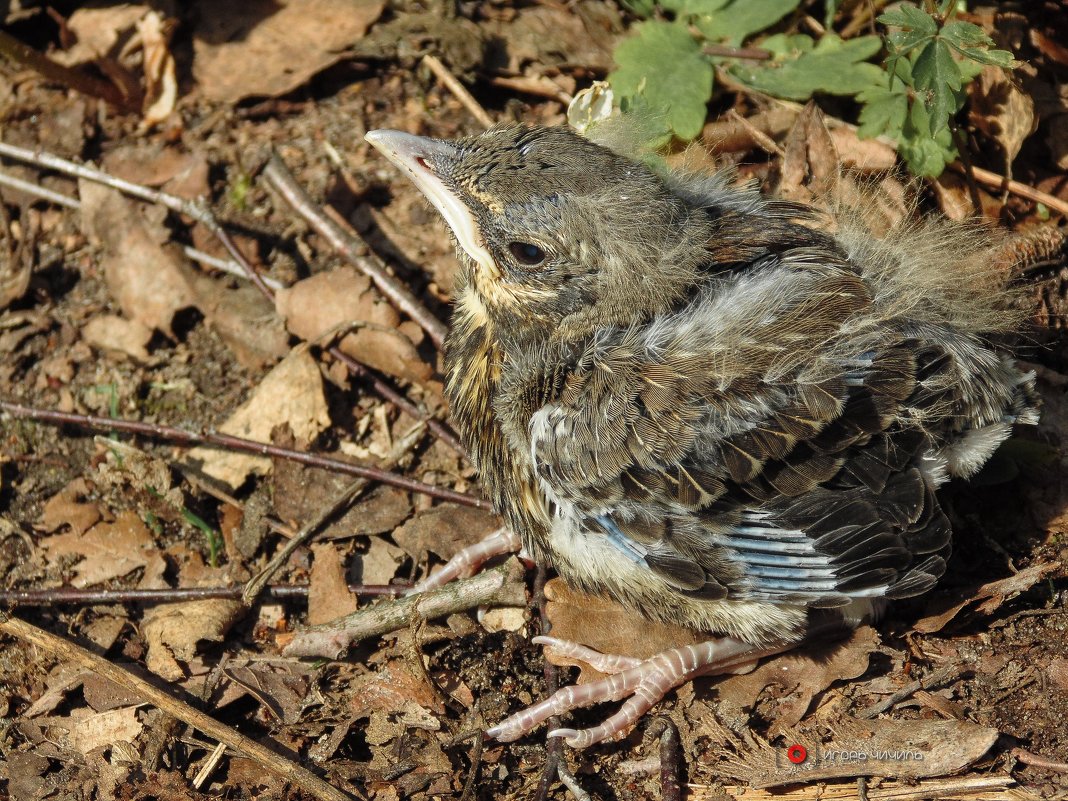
pixel 539 87
pixel 664 728
pixel 765 142
pixel 501 586
pixel 346 244
pixel 467 100
pixel 1038 761
pixel 554 751
pixel 199 211
pixel 229 267
pixel 228 442
pixel 995 181
pixel 275 592
pixel 936 679
pixel 344 499
pixel 69 652
pixel 66 76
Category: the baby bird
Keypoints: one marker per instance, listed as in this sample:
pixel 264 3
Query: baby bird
pixel 702 402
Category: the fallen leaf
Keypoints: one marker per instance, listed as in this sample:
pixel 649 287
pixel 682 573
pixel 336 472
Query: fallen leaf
pixel 988 597
pixel 244 319
pixel 810 166
pixel 280 687
pixel 109 332
pixel 602 624
pixel 292 394
pixel 105 730
pixel 172 632
pixel 395 689
pixel 161 83
pixel 106 551
pixel 270 47
pixel 68 507
pixel 328 594
pixel 379 565
pixel 797 676
pixel 148 281
pixel 100 31
pixel 445 529
pixel 1001 111
pixel 329 303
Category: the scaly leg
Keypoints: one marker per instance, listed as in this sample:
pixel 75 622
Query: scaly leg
pixel 646 682
pixel 467 561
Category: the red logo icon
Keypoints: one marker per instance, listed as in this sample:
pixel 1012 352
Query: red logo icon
pixel 796 754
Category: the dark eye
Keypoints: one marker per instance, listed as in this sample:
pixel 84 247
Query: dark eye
pixel 526 253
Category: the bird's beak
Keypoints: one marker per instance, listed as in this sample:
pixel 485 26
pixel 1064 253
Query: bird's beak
pixel 413 155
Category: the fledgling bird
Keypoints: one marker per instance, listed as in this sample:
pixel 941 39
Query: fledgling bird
pixel 702 403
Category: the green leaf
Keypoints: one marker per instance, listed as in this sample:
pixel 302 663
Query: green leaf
pixel 925 154
pixel 693 8
pixel 830 12
pixel 640 8
pixel 886 104
pixel 938 74
pixel 883 112
pixel 663 64
pixel 742 18
pixel 917 28
pixel 910 18
pixel 833 66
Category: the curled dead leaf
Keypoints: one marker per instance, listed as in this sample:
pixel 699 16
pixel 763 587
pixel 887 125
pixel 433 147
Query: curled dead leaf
pixel 329 304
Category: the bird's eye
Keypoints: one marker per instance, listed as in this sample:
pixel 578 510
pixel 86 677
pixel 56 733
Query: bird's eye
pixel 526 253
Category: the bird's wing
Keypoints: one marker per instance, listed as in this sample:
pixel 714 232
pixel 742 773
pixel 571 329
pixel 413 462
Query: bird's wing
pixel 746 445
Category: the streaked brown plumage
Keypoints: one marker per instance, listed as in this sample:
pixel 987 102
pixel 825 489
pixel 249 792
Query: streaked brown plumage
pixel 697 400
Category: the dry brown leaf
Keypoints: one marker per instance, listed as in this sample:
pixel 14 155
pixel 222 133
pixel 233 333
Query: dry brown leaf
pixel 606 626
pixel 328 594
pixel 300 492
pixel 280 687
pixel 379 565
pixel 105 729
pixel 796 677
pixel 67 508
pixel 1001 111
pixel 292 393
pixel 862 155
pixel 811 166
pixel 153 164
pixel 148 281
pixel 444 529
pixel 270 47
pixel 329 302
pixel 988 597
pixel 161 83
pixel 396 690
pixel 107 550
pixel 244 319
pixel 109 332
pixel 100 31
pixel 172 632
pixel 15 271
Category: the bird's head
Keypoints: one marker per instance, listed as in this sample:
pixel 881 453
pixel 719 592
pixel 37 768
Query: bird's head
pixel 556 233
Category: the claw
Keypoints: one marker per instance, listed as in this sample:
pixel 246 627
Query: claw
pixel 644 682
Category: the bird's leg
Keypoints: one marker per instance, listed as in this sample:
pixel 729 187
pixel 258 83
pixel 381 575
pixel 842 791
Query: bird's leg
pixel 467 561
pixel 646 682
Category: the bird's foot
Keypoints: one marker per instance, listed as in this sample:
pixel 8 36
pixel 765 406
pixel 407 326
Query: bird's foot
pixel 644 681
pixel 467 561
